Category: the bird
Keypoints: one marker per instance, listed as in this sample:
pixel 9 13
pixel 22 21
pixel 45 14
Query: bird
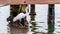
pixel 21 17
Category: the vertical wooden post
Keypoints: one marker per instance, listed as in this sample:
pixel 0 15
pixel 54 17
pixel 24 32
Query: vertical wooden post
pixel 51 18
pixel 32 11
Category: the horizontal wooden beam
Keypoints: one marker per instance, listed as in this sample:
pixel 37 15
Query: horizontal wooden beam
pixel 29 1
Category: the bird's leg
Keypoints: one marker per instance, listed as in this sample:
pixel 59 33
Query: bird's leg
pixel 22 21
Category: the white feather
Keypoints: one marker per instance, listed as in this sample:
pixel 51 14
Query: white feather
pixel 19 16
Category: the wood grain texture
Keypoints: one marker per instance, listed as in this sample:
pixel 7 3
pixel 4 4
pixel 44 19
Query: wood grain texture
pixel 29 1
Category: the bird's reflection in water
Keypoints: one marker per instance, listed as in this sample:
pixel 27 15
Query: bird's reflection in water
pixel 17 30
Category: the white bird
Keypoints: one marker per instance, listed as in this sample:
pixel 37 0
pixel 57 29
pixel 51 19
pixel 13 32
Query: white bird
pixel 19 17
pixel 22 16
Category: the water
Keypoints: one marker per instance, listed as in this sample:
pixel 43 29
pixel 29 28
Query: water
pixel 57 19
pixel 37 23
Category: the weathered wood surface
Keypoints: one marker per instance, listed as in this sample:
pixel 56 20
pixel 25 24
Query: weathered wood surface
pixel 29 1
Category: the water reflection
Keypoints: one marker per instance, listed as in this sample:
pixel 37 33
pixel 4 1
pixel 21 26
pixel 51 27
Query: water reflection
pixel 57 20
pixel 37 27
pixel 14 30
pixel 34 27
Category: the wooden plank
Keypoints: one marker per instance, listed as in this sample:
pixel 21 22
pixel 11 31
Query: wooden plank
pixel 29 1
